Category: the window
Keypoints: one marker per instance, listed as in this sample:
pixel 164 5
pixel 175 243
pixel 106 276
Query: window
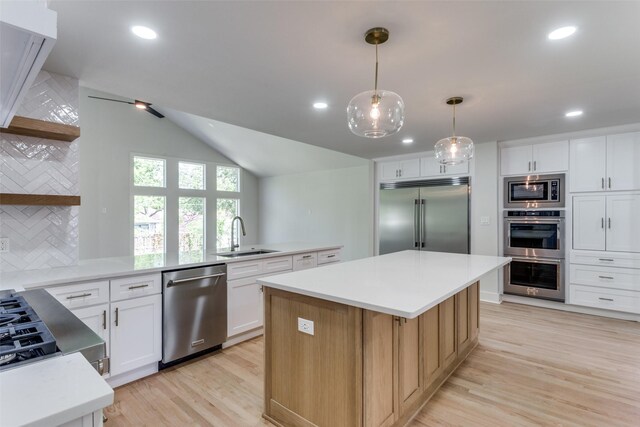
pixel 170 202
pixel 148 172
pixel 191 176
pixel 148 225
pixel 227 178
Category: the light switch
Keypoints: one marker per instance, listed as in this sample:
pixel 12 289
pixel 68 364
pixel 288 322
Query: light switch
pixel 4 244
pixel 484 220
pixel 305 326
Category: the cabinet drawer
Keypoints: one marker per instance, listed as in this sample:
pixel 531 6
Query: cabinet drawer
pixel 610 299
pixel 81 294
pixel 605 277
pixel 326 257
pixel 606 259
pixel 274 265
pixel 136 286
pixel 304 261
pixel 238 270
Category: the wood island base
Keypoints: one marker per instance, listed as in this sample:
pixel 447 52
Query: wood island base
pixel 360 367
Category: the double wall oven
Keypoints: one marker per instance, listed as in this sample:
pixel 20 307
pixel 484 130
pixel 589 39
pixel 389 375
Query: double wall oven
pixel 535 238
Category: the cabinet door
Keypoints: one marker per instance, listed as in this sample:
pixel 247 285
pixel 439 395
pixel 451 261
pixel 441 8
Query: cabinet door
pixel 464 331
pixel 244 306
pixel 432 333
pixel 136 333
pixel 623 223
pixel 409 362
pixel 461 169
pixel 390 171
pixel 448 344
pixel 623 160
pixel 429 166
pixel 551 157
pixel 589 222
pixel 516 160
pixel 97 318
pixel 410 168
pixel 587 161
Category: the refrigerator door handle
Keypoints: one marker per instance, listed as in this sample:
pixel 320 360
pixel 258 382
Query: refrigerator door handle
pixel 416 223
pixel 423 222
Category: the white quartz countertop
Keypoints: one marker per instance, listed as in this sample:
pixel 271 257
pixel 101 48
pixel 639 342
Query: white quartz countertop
pixel 404 284
pixel 51 392
pixel 95 269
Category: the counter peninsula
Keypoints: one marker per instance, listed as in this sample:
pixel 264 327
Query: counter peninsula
pixel 368 342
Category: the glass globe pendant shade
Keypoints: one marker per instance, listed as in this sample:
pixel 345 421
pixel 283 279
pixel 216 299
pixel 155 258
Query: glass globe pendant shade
pixel 375 113
pixel 454 150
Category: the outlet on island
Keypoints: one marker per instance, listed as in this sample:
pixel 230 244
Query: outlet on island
pixel 305 326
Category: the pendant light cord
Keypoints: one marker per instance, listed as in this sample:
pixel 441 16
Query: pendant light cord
pixel 375 86
pixel 454 119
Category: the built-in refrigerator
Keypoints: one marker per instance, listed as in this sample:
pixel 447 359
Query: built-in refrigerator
pixel 431 215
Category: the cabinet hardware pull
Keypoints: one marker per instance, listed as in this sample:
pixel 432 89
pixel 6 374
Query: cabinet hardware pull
pixel 606 299
pixel 306 256
pixel 609 222
pixel 534 164
pixel 104 319
pixel 331 256
pixel 609 182
pixel 601 222
pixel 606 277
pixel 529 166
pixel 261 289
pixel 440 168
pixel 117 317
pixel 606 259
pixel 400 173
pixel 603 183
pixel 138 286
pixel 444 167
pixel 79 296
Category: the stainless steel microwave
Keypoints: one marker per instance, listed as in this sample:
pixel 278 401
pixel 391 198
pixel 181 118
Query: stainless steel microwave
pixel 534 191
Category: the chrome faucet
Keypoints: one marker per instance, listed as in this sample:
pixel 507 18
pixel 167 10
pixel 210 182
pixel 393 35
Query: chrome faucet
pixel 244 233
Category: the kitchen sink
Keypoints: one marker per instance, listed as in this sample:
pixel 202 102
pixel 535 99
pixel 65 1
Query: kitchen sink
pixel 246 253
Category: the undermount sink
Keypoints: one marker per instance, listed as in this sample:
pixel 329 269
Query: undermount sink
pixel 246 253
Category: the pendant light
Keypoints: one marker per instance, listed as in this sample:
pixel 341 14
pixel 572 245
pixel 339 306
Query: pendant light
pixel 375 113
pixel 454 149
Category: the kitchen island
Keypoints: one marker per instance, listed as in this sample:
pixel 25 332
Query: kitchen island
pixel 368 342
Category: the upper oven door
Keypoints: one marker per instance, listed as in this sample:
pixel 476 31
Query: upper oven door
pixel 534 237
pixel 534 191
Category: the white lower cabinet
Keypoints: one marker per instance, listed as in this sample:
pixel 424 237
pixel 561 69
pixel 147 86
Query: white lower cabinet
pixel 136 333
pixel 609 299
pixel 244 305
pixel 93 419
pixel 97 318
pixel 305 261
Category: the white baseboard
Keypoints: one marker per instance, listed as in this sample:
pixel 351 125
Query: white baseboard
pixel 136 374
pixel 491 297
pixel 237 339
pixel 572 308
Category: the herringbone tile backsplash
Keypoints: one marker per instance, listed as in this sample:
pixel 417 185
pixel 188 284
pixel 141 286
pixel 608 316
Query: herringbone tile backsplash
pixel 41 236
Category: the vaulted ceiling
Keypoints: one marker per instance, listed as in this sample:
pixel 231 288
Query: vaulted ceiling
pixel 261 65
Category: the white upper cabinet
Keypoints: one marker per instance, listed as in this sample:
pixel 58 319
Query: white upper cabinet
pixel 623 227
pixel 623 161
pixel 589 218
pixel 402 169
pixel 587 162
pixel 535 159
pixel 431 167
pixel 605 163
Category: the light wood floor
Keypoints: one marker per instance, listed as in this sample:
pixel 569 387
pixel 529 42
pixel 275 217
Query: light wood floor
pixel 532 367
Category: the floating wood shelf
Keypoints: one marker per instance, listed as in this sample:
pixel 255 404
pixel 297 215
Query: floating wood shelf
pixel 38 199
pixel 41 129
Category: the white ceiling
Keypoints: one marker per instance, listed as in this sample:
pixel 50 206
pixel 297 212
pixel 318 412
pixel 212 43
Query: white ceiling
pixel 261 64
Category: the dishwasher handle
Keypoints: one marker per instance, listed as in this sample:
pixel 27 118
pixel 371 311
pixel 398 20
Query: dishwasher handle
pixel 171 283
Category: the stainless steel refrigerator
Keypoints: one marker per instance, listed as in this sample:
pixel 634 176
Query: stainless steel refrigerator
pixel 426 215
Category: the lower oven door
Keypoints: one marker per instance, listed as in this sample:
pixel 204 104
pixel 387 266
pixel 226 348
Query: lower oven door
pixel 535 277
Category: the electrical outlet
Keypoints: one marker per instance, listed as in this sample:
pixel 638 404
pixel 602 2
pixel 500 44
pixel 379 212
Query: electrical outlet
pixel 305 326
pixel 4 244
pixel 484 220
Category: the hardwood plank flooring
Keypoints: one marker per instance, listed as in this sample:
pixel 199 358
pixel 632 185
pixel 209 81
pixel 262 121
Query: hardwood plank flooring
pixel 532 367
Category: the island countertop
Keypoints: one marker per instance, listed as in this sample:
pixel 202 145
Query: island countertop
pixel 404 284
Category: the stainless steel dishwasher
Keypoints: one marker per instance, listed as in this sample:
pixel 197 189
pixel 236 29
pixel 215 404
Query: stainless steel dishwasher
pixel 194 319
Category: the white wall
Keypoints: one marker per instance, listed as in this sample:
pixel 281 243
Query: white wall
pixel 331 206
pixel 484 202
pixel 110 133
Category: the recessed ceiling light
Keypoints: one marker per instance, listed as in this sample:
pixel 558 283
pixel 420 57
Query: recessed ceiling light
pixel 320 105
pixel 144 32
pixel 574 113
pixel 561 33
pixel 407 140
